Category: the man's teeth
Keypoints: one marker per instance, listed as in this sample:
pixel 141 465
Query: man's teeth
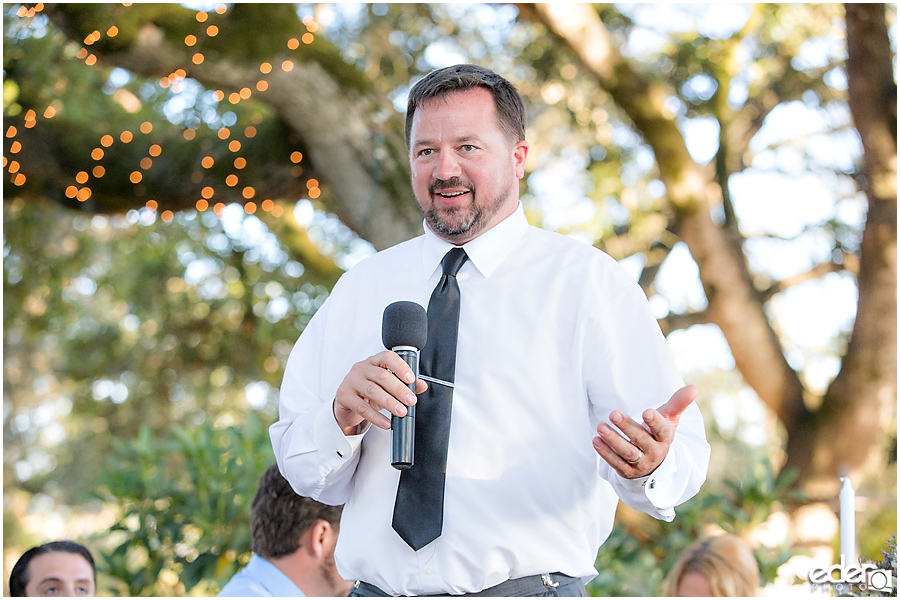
pixel 452 194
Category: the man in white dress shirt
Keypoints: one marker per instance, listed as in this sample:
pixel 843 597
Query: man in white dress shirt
pixel 566 397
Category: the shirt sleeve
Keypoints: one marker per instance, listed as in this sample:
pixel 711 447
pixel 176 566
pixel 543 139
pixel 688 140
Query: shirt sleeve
pixel 628 366
pixel 312 452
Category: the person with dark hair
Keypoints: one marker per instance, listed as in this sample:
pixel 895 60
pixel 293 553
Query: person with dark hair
pixel 54 569
pixel 546 390
pixel 293 541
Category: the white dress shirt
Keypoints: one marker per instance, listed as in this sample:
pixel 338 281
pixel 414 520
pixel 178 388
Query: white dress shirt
pixel 553 336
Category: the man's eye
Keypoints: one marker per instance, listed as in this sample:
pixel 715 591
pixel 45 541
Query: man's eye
pixel 426 152
pixel 82 591
pixel 468 147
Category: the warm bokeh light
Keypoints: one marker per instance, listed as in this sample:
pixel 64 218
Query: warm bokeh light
pixel 221 8
pixel 30 115
pixel 81 177
pixel 207 192
pixel 224 133
pixel 106 141
pixel 152 205
pixel 19 179
pixel 202 16
pixel 234 97
pixel 287 66
pixel 98 171
pixel 112 31
pixel 277 211
pixel 250 208
pixel 146 162
pixel 219 95
pixel 296 171
pixel 126 137
pixel 250 131
pixel 293 44
pixel 202 205
pixel 234 145
pixel 307 38
pixel 248 192
pixel 50 112
pixel 83 194
pixel 97 153
pixel 71 191
pixel 180 73
pixel 189 134
pixel 312 26
pixel 267 205
pixel 90 60
pixel 13 166
pixel 231 180
pixel 265 68
pixel 146 127
pixel 155 150
pixel 197 58
pixel 207 162
pixel 15 147
pixel 312 183
pixel 136 177
pixel 296 157
pixel 212 31
pixel 262 85
pixel 167 216
pixel 315 193
pixel 218 208
pixel 11 132
pixel 30 124
pixel 245 93
pixel 240 162
pixel 82 53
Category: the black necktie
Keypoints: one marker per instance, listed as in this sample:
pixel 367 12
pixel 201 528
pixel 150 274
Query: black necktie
pixel 419 507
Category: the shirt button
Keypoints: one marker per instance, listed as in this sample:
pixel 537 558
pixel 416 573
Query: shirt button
pixel 429 570
pixel 652 483
pixel 341 454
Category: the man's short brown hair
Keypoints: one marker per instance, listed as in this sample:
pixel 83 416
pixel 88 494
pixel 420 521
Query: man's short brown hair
pixel 460 78
pixel 279 517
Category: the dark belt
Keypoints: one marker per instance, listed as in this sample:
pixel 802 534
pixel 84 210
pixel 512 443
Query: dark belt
pixel 523 586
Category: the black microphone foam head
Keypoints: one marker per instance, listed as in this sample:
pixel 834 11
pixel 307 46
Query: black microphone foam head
pixel 404 324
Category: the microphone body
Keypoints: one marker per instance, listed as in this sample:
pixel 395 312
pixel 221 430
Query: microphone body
pixel 404 329
pixel 403 429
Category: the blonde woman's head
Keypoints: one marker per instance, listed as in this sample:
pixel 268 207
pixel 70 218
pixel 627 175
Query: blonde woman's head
pixel 721 566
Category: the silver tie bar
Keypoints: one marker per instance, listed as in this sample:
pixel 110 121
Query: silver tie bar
pixel 437 381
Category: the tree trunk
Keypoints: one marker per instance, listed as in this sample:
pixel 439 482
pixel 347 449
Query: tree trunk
pixel 863 394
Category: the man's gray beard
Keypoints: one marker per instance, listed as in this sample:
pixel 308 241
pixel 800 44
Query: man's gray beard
pixel 476 220
pixel 439 225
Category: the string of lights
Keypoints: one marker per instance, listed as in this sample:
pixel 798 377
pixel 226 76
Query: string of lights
pixel 81 190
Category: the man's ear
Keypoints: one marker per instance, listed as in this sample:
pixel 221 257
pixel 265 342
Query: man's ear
pixel 520 153
pixel 316 538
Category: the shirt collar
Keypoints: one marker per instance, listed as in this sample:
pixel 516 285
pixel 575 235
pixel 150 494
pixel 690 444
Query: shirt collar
pixel 486 251
pixel 271 577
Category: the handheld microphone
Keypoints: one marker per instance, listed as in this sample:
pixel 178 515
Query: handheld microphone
pixel 404 330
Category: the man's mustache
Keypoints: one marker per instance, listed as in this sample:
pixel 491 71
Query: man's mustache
pixel 447 184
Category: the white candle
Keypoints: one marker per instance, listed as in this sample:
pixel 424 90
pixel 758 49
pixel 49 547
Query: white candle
pixel 848 522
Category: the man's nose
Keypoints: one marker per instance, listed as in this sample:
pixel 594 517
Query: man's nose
pixel 447 166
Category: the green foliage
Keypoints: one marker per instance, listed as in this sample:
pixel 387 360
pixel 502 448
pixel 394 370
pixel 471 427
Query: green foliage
pixel 185 504
pixel 635 559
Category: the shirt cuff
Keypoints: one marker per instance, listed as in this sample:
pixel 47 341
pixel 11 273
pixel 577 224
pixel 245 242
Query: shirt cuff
pixel 335 447
pixel 656 487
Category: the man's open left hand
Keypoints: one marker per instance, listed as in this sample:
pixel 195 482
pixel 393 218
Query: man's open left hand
pixel 645 445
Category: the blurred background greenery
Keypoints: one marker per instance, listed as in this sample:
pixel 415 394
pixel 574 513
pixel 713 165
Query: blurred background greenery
pixel 732 158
